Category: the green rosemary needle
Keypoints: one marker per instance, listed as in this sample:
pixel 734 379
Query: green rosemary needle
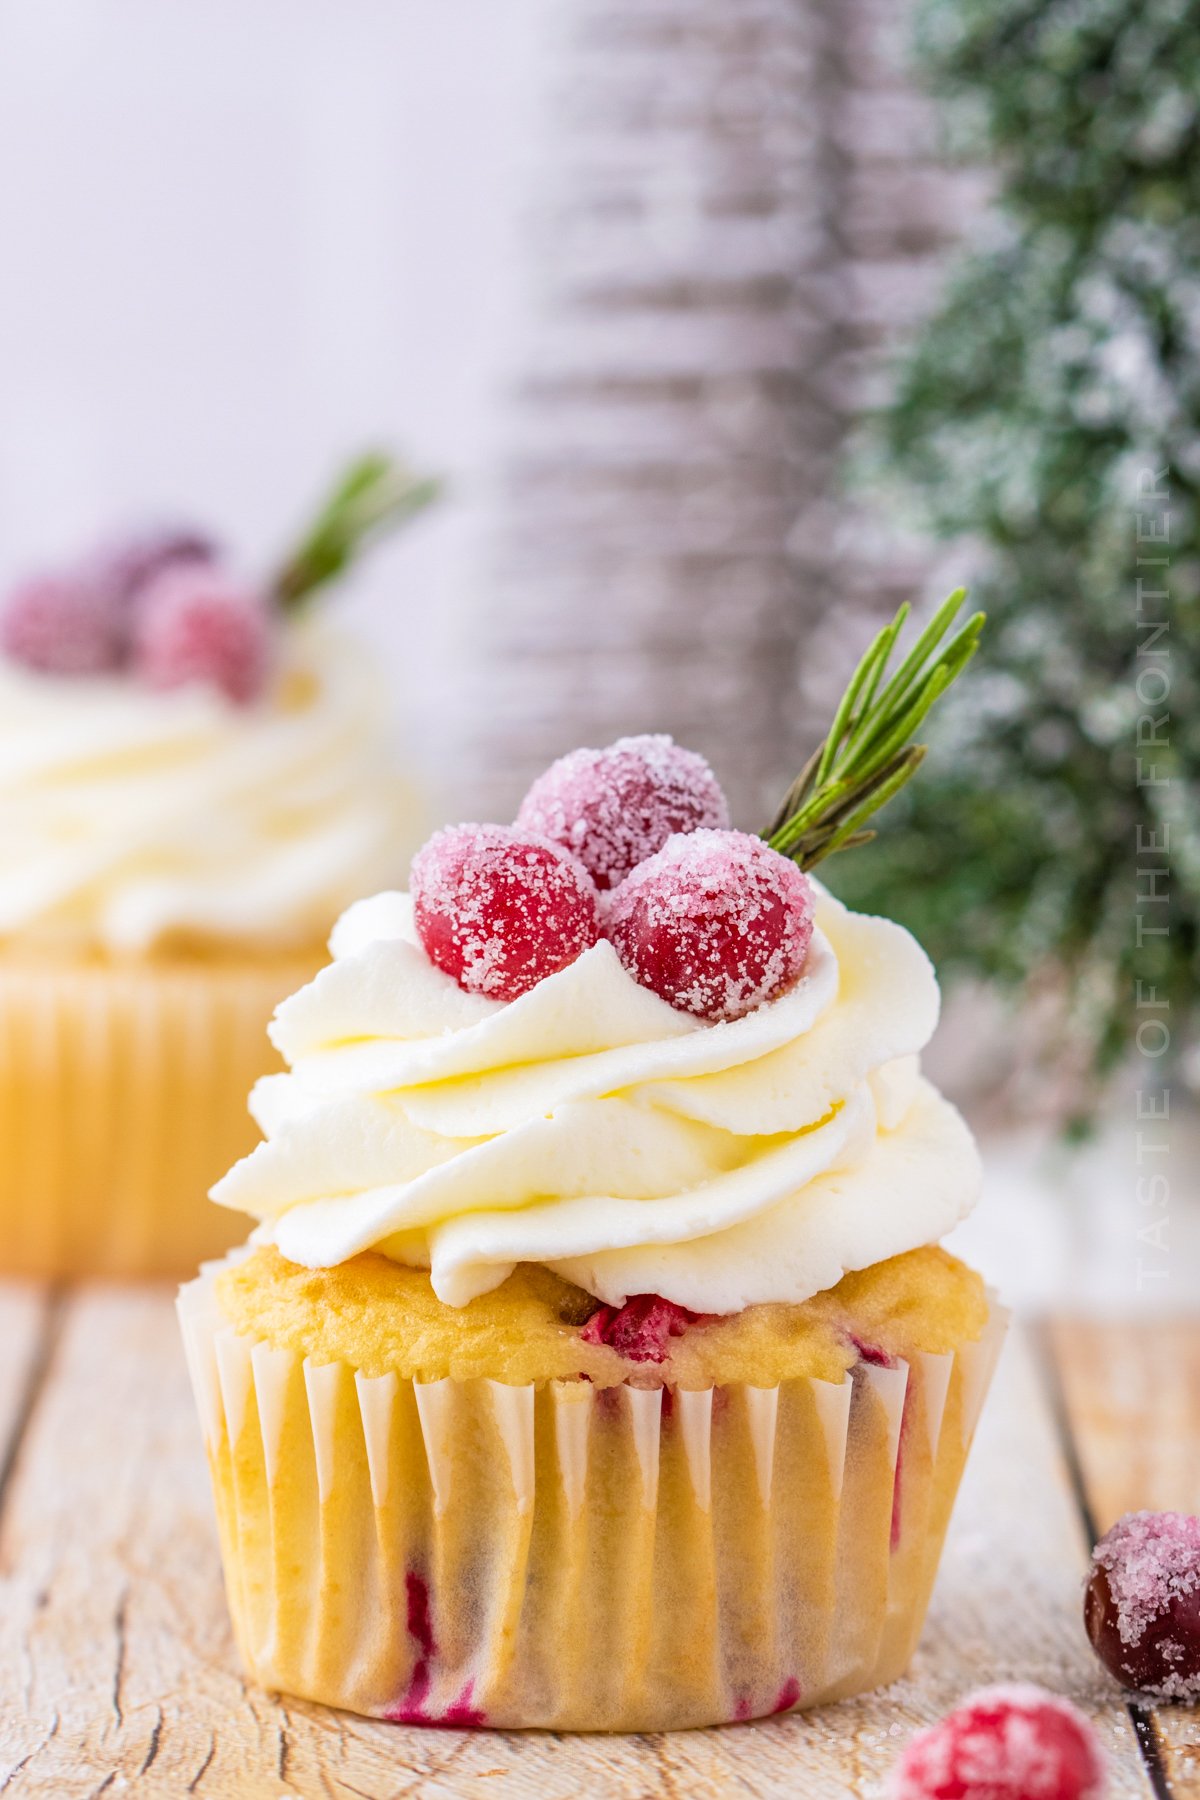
pixel 868 754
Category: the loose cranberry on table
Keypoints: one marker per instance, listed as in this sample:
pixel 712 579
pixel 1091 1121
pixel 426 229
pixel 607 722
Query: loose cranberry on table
pixel 716 923
pixel 1014 1742
pixel 500 909
pixel 196 625
pixel 1142 1604
pixel 613 808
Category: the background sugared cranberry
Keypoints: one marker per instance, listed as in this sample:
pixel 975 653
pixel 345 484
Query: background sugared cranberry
pixel 613 808
pixel 716 923
pixel 1003 1743
pixel 65 624
pixel 195 625
pixel 1142 1603
pixel 128 565
pixel 500 909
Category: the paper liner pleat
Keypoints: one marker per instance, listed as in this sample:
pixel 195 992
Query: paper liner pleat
pixel 570 1557
pixel 122 1099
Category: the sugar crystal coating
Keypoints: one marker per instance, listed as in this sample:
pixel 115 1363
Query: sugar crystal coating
pixel 500 909
pixel 196 625
pixel 1142 1604
pixel 1011 1742
pixel 716 923
pixel 613 808
pixel 62 624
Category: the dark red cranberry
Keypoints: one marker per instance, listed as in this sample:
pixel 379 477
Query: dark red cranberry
pixel 1141 1607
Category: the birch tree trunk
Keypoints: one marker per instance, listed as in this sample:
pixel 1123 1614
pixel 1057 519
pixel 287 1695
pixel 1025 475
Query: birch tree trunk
pixel 737 207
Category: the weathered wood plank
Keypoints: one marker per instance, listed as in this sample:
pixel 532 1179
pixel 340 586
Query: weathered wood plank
pixel 25 1323
pixel 116 1665
pixel 1132 1399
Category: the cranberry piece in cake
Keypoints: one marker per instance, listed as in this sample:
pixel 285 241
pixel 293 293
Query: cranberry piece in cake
pixel 195 625
pixel 1003 1743
pixel 613 808
pixel 716 923
pixel 1142 1604
pixel 500 909
pixel 639 1330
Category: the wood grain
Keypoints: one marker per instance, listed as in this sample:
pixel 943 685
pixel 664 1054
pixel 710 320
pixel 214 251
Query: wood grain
pixel 1131 1402
pixel 117 1673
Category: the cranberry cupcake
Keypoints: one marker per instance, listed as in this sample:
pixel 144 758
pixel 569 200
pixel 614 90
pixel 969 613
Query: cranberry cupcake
pixel 195 779
pixel 595 1294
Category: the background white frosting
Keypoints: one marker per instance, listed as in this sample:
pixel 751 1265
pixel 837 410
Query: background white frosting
pixel 129 816
pixel 590 1127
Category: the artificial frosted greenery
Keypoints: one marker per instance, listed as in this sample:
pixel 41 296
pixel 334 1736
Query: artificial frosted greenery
pixel 1062 365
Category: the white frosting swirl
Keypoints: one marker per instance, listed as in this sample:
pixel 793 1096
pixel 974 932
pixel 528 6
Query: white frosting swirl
pixel 590 1127
pixel 129 817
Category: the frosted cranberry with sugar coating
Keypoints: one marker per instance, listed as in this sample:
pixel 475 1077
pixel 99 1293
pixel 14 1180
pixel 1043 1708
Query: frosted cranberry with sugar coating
pixel 65 624
pixel 1013 1742
pixel 500 909
pixel 716 923
pixel 195 625
pixel 1142 1604
pixel 613 808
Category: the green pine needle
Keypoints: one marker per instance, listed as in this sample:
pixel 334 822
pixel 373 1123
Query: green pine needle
pixel 868 754
pixel 373 496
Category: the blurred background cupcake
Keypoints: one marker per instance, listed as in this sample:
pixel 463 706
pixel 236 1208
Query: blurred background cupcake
pixel 196 776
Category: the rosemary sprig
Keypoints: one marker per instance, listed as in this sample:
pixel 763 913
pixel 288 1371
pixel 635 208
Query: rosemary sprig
pixel 868 756
pixel 375 494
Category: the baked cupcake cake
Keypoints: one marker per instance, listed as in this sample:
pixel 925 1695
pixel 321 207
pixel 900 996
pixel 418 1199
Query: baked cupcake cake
pixel 195 780
pixel 594 1364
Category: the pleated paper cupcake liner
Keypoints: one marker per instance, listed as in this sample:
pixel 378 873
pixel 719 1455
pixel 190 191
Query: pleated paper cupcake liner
pixel 574 1558
pixel 122 1099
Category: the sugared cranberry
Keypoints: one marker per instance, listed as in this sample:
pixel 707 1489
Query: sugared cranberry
pixel 195 625
pixel 500 909
pixel 1142 1604
pixel 640 1329
pixel 716 923
pixel 65 624
pixel 613 808
pixel 1003 1743
pixel 128 565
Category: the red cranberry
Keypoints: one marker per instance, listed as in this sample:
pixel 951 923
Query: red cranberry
pixel 716 923
pixel 195 625
pixel 500 909
pixel 639 1330
pixel 1142 1604
pixel 1003 1743
pixel 613 808
pixel 65 624
pixel 128 565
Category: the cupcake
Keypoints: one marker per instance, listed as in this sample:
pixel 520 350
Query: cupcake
pixel 195 779
pixel 593 1363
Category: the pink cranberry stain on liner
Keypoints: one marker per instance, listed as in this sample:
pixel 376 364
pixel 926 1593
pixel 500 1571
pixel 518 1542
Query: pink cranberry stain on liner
pixel 878 1358
pixel 788 1696
pixel 412 1707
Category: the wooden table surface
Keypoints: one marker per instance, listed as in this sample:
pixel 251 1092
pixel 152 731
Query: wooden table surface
pixel 118 1675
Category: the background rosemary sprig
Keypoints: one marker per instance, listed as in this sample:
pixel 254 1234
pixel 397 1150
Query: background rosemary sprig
pixel 868 756
pixel 374 495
